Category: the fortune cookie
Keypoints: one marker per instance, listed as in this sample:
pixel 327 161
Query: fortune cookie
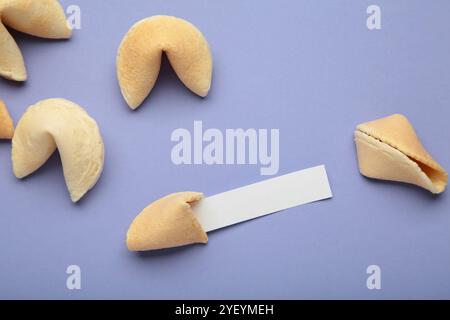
pixel 167 222
pixel 6 123
pixel 389 149
pixel 40 18
pixel 139 57
pixel 59 124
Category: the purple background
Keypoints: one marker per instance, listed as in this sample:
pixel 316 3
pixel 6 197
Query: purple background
pixel 311 69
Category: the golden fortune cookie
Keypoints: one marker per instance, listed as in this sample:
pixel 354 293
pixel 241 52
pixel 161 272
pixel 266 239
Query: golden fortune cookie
pixel 389 149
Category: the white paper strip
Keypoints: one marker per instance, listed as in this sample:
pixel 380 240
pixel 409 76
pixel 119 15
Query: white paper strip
pixel 262 198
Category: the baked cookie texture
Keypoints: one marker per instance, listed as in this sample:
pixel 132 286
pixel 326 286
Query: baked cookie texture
pixel 6 123
pixel 166 223
pixel 389 149
pixel 40 18
pixel 59 124
pixel 139 57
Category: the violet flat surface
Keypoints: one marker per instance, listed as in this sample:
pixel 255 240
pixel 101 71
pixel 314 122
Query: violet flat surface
pixel 309 68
